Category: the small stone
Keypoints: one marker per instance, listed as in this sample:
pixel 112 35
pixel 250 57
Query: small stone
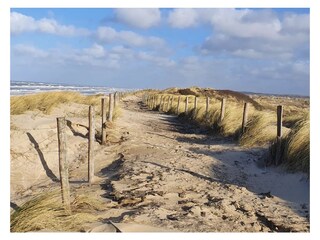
pixel 172 217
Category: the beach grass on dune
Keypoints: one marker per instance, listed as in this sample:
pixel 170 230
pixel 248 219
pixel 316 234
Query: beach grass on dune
pixel 295 147
pixel 45 102
pixel 46 212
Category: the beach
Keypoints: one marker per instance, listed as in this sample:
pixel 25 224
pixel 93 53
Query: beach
pixel 156 172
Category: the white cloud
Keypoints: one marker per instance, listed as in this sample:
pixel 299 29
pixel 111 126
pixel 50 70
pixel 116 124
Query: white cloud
pixel 110 35
pixel 31 51
pixel 160 61
pixel 96 51
pixel 257 34
pixel 21 23
pixel 183 18
pixel 139 17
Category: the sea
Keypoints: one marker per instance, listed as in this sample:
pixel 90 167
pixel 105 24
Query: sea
pixel 23 88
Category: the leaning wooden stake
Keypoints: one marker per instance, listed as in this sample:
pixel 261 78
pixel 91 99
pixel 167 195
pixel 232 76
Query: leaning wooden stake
pixel 115 102
pixel 178 106
pixel 91 145
pixel 171 102
pixel 167 103
pixel 223 109
pixel 110 116
pixel 207 106
pixel 186 107
pixel 63 163
pixel 195 103
pixel 103 118
pixel 279 134
pixel 244 117
pixel 161 103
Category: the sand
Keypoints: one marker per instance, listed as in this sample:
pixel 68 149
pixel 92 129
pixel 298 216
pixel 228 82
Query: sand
pixel 157 173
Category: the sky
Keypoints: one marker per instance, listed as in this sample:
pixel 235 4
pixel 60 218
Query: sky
pixel 252 50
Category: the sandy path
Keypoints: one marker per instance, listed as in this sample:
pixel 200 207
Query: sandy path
pixel 172 175
pixel 158 171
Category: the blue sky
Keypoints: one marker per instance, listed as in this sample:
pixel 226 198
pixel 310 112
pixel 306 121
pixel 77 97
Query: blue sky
pixel 257 50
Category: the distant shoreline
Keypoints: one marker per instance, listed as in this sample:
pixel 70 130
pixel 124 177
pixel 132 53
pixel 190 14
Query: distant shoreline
pixel 20 88
pixel 91 90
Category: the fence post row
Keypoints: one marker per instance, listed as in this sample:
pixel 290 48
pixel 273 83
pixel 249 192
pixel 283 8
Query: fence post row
pixel 110 107
pixel 279 134
pixel 244 117
pixel 91 145
pixel 63 163
pixel 223 109
pixel 103 118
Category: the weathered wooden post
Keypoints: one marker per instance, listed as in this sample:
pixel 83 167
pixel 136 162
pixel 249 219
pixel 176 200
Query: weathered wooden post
pixel 171 102
pixel 110 116
pixel 195 103
pixel 103 117
pixel 63 162
pixel 244 117
pixel 166 104
pixel 279 134
pixel 154 102
pixel 186 107
pixel 115 100
pixel 207 106
pixel 178 106
pixel 223 109
pixel 91 145
pixel 161 102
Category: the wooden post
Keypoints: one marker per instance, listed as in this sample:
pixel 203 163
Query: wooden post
pixel 244 117
pixel 178 106
pixel 63 163
pixel 166 104
pixel 223 109
pixel 161 102
pixel 91 145
pixel 207 105
pixel 110 107
pixel 279 134
pixel 195 103
pixel 115 100
pixel 103 117
pixel 171 102
pixel 186 107
pixel 154 102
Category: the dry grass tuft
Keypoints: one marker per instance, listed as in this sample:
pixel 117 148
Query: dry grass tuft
pixel 295 147
pixel 260 130
pixel 45 212
pixel 45 102
pixel 232 121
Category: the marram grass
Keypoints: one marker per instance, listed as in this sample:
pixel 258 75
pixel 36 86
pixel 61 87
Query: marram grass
pixel 295 147
pixel 45 102
pixel 45 212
